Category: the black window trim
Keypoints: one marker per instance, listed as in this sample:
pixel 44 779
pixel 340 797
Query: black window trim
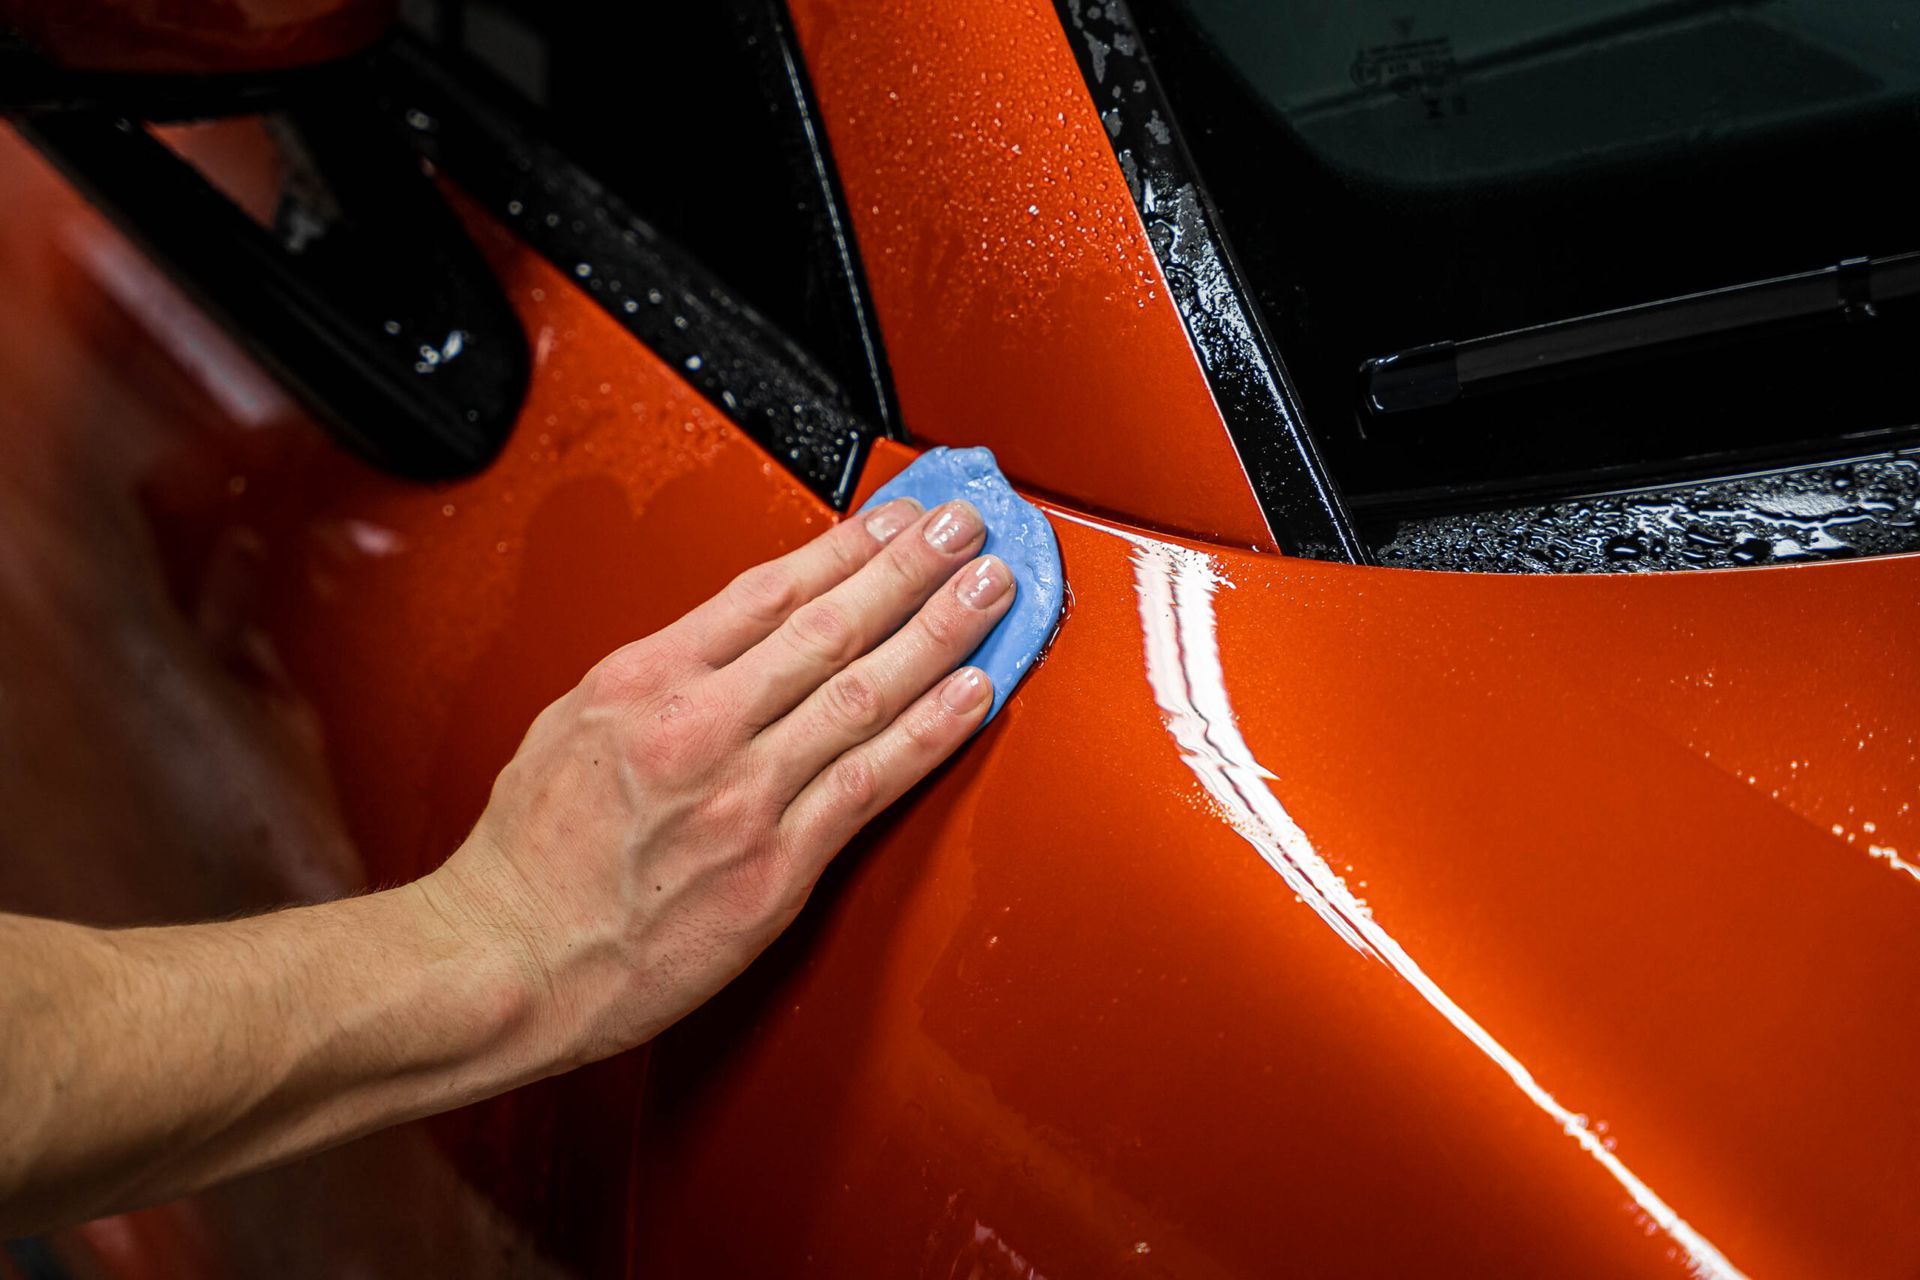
pixel 485 140
pixel 1303 507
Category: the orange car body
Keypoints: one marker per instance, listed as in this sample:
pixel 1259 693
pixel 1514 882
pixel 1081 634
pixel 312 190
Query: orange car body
pixel 1294 919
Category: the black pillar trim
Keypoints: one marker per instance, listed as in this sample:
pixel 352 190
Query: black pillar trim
pixel 1303 508
pixel 774 391
pixel 846 315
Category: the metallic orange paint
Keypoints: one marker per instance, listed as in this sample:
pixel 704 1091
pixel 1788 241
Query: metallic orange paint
pixel 1293 919
pixel 197 37
pixel 1021 303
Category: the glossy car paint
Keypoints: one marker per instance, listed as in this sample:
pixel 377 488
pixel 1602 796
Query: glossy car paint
pixel 1292 919
pixel 1021 303
pixel 202 36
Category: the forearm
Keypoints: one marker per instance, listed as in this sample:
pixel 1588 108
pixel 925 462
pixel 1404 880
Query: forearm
pixel 659 825
pixel 140 1064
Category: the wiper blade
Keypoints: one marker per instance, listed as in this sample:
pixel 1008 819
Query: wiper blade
pixel 1428 376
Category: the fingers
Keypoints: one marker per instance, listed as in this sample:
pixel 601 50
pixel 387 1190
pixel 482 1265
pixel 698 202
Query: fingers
pixel 751 606
pixel 821 636
pixel 851 790
pixel 869 694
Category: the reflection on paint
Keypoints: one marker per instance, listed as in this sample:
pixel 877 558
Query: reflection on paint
pixel 1891 856
pixel 989 1257
pixel 174 324
pixel 1882 852
pixel 1176 587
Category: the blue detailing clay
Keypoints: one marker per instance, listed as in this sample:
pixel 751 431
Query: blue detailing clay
pixel 1017 533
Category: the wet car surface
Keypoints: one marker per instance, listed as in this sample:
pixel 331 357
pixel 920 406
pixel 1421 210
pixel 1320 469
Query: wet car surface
pixel 1296 914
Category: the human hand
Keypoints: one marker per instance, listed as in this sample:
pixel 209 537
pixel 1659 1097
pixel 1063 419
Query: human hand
pixel 664 820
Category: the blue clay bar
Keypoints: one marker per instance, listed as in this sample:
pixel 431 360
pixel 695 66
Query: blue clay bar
pixel 1017 533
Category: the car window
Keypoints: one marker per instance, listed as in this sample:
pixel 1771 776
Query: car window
pixel 1456 195
pixel 685 112
pixel 1475 91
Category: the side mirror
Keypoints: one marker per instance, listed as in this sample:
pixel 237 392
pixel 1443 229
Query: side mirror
pixel 366 298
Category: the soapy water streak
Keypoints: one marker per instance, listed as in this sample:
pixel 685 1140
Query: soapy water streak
pixel 1176 587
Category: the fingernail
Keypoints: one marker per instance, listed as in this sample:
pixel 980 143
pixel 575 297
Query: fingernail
pixel 953 526
pixel 892 518
pixel 964 689
pixel 983 582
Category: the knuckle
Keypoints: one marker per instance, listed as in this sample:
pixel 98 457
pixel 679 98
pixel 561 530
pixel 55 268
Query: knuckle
pixel 762 886
pixel 821 631
pixel 931 727
pixel 606 684
pixel 906 569
pixel 766 592
pixel 638 670
pixel 742 801
pixel 853 702
pixel 627 674
pixel 941 624
pixel 848 552
pixel 856 783
pixel 726 813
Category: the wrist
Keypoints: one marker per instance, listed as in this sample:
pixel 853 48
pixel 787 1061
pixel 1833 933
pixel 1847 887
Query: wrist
pixel 499 985
pixel 515 991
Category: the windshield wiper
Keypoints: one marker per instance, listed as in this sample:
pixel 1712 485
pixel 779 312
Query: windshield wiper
pixel 1442 372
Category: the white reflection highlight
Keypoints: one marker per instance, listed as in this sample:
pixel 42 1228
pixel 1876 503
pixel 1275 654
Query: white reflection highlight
pixel 1891 856
pixel 1175 587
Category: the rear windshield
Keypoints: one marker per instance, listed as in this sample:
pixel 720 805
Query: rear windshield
pixel 1399 175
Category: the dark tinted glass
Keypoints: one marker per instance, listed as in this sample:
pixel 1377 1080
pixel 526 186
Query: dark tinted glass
pixel 1400 174
pixel 681 110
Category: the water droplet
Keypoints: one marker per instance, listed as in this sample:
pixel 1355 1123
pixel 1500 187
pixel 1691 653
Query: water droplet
pixel 1625 547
